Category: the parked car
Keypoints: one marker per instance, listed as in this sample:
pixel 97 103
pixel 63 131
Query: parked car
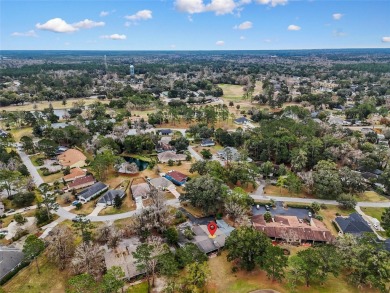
pixel 310 214
pixel 267 207
pixel 75 203
pixel 258 206
pixel 3 232
pixel 26 208
pixel 376 226
pixel 10 211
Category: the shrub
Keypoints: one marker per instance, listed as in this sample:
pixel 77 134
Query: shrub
pixel 172 235
pixel 320 218
pixel 324 206
pixel 268 217
pixel 170 163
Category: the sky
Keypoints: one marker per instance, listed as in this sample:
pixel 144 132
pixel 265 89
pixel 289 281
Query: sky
pixel 193 24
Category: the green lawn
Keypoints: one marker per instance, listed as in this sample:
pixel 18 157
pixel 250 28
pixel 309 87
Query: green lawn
pixel 373 212
pixel 139 288
pixel 232 92
pixel 371 196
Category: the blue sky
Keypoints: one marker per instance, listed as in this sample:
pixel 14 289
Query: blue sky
pixel 193 24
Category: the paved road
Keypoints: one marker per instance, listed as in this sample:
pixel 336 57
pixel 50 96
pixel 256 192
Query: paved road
pixel 194 154
pixel 30 167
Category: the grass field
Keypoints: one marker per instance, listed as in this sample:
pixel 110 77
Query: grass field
pixel 128 205
pixel 277 191
pixel 373 212
pixel 371 196
pixel 18 133
pixel 232 92
pixel 56 105
pixel 50 280
pixel 86 208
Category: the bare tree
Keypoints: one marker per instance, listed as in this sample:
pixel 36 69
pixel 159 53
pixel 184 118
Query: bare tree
pixel 89 259
pixel 61 246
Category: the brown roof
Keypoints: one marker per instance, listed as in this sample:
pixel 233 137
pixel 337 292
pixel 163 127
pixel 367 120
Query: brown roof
pixel 81 181
pixel 177 176
pixel 70 157
pixel 282 226
pixel 74 173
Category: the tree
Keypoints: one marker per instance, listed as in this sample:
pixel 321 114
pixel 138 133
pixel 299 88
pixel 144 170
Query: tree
pixel 315 206
pixel 61 246
pixel 49 199
pixel 267 217
pixel 118 201
pixel 275 262
pixel 9 180
pixel 206 193
pixel 83 283
pixel 113 280
pixel 346 201
pixel 351 181
pixel 247 245
pixel 197 275
pixel 298 160
pixel 27 144
pixel 32 247
pixel 188 254
pixel 84 227
pixel 237 204
pixel 19 219
pixel 329 261
pixel 48 146
pixel 23 199
pixel 147 257
pixel 89 258
pixel 281 182
pixel 385 220
pixel 326 180
pixel 267 168
pixel 102 164
pixel 206 154
pixel 172 235
pixel 305 266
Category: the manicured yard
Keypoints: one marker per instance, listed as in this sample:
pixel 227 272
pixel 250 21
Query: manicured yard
pixel 371 196
pixel 34 158
pixel 86 208
pixel 373 212
pixel 192 210
pixel 50 280
pixel 51 178
pixel 128 205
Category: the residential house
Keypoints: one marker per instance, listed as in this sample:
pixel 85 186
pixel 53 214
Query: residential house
pixel 91 192
pixel 353 224
pixel 293 230
pixel 176 177
pixel 164 157
pixel 108 198
pixel 231 154
pixel 165 131
pixel 127 168
pixel 72 158
pixel 140 190
pixel 10 259
pixel 241 121
pixel 122 256
pixel 201 236
pixel 164 147
pixel 208 142
pixel 81 182
pixel 74 174
pixel 161 183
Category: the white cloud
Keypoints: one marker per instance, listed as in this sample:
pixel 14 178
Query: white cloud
pixel 87 23
pixel 293 27
pixel 337 16
pixel 386 39
pixel 140 15
pixel 30 33
pixel 114 37
pixel 273 3
pixel 339 33
pixel 104 13
pixel 244 26
pixel 242 38
pixel 219 7
pixel 57 25
pixel 220 43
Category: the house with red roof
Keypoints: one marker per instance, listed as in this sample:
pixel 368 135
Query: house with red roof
pixel 176 177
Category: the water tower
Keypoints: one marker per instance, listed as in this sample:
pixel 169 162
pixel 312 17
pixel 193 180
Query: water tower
pixel 132 70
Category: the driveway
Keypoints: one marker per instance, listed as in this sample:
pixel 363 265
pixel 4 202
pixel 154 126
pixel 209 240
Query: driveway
pixel 30 167
pixel 194 154
pixel 279 210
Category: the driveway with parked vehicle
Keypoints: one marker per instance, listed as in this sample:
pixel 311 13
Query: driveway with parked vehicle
pixel 279 210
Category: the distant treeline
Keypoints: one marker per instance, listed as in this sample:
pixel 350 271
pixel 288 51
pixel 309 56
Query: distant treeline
pixel 368 67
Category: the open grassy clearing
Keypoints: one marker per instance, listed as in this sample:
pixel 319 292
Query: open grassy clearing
pixel 232 92
pixel 56 105
pixel 371 196
pixel 138 288
pixel 51 178
pixel 18 133
pixel 277 191
pixel 373 212
pixel 223 280
pixel 86 208
pixel 50 280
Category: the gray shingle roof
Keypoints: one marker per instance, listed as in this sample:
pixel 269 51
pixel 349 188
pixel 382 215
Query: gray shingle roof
pixel 9 259
pixel 108 197
pixel 354 224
